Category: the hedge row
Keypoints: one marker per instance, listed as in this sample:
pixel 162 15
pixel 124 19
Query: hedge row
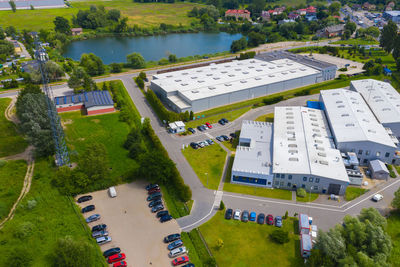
pixel 272 100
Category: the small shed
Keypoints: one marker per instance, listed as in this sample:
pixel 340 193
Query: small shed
pixel 76 31
pixel 304 224
pixel 305 245
pixel 177 127
pixel 378 170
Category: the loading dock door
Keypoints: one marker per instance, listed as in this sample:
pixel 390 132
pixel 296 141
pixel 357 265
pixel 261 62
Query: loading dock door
pixel 334 189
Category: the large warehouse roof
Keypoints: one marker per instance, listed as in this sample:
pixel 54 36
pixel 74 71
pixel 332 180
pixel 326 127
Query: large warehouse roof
pixel 257 158
pixel 381 97
pixel 351 119
pixel 217 79
pixel 303 144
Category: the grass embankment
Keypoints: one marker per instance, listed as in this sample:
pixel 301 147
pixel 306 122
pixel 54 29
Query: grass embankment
pixel 310 197
pixel 249 244
pixel 266 118
pixel 393 230
pixel 10 142
pixel 358 41
pixel 141 14
pixel 12 174
pixel 353 193
pixel 43 217
pixel 208 163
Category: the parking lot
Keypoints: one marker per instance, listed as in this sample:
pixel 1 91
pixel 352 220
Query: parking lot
pixel 132 226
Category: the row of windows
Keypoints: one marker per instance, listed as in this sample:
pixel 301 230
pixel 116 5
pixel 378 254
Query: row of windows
pixel 367 152
pixel 282 176
pixel 282 183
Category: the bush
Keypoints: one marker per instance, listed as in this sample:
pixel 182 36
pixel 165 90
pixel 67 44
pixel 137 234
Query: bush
pixel 140 83
pixel 342 69
pixel 221 205
pixel 303 92
pixel 286 215
pixel 280 236
pixel 272 100
pixel 301 192
pixel 161 111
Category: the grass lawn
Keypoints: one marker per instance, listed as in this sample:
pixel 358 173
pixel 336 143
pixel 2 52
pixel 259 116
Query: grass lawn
pixel 141 14
pixel 266 118
pixel 12 175
pixel 358 41
pixel 393 230
pixel 10 142
pixel 210 160
pixel 43 217
pixel 309 198
pixel 353 193
pixel 249 244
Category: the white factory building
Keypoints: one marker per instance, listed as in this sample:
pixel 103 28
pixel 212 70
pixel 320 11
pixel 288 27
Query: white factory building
pixel 304 153
pixel 207 87
pixel 253 158
pixel 383 100
pixel 355 128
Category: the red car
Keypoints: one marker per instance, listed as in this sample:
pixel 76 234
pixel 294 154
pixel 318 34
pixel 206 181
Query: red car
pixel 208 125
pixel 180 260
pixel 116 257
pixel 270 219
pixel 154 190
pixel 120 264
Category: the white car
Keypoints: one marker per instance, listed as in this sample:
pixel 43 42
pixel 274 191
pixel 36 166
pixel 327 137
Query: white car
pixel 176 252
pixel 377 197
pixel 236 215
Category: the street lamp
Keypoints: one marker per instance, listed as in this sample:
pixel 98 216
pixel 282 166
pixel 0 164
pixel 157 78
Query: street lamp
pixel 207 177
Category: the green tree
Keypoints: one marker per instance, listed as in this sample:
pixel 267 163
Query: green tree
pixel 373 216
pixel 373 31
pixel 139 82
pixel 54 72
pixel 220 243
pixel 92 64
pixel 387 40
pixel 350 26
pixel 114 14
pixel 62 25
pixel 172 58
pixel 95 163
pixel 2 34
pixel 13 6
pixel 334 8
pixel 136 61
pixel 121 26
pixel 221 205
pixel 396 48
pixel 21 257
pixel 116 67
pixel 256 38
pixel 142 75
pixel 6 48
pixel 72 253
pixel 156 167
pixel 280 236
pixel 10 31
pixel 238 45
pixel 396 200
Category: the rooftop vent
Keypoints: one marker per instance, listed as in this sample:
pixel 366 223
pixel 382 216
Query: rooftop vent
pixel 238 69
pixel 340 106
pixel 195 91
pixel 371 131
pixel 293 151
pixel 257 78
pixel 271 75
pixel 385 109
pixel 169 76
pixel 209 74
pixel 349 125
pixel 178 80
pixel 289 122
pixel 271 67
pixel 184 84
pixel 293 159
pixel 200 81
pixel 335 93
pixel 258 70
pixel 292 145
pixel 193 77
pixel 216 78
pixel 224 71
pixel 199 70
pixel 321 154
pixel 243 81
pixel 211 87
pixel 245 72
pixel 345 115
pixel 323 162
pixel 185 73
pixel 339 102
pixel 231 75
pixel 228 84
pixel 290 128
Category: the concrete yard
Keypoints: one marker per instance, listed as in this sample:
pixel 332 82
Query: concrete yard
pixel 132 226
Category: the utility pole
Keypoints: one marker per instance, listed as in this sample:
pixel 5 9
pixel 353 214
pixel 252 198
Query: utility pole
pixel 207 177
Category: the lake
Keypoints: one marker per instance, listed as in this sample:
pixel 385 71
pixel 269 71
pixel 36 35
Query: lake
pixel 115 49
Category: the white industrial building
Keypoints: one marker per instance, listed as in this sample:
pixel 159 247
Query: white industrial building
pixel 304 153
pixel 355 128
pixel 216 85
pixel 253 158
pixel 383 100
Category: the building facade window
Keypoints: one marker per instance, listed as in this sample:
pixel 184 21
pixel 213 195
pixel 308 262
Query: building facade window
pixel 367 152
pixel 282 176
pixel 276 182
pixel 317 180
pixel 282 183
pixel 365 161
pixel 278 175
pixel 387 154
pixel 311 179
pixel 289 184
pixel 360 152
pixel 303 186
pixel 315 187
pixel 378 154
pixel 305 179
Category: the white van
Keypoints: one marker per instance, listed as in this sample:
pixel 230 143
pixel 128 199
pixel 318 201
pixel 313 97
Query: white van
pixel 176 252
pixel 112 192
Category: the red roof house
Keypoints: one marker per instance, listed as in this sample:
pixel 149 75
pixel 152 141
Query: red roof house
pixel 238 13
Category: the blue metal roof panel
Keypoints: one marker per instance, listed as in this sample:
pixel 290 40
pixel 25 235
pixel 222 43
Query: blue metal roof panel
pixel 304 222
pixel 306 243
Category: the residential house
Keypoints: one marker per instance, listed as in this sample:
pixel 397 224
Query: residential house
pixel 265 16
pixel 368 6
pixel 302 11
pixel 76 31
pixel 238 13
pixel 311 10
pixel 356 7
pixel 293 16
pixel 333 31
pixel 285 21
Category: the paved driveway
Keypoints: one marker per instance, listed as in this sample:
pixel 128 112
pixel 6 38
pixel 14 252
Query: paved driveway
pixel 132 226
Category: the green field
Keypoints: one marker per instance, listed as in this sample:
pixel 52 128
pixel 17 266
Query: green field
pixel 141 14
pixel 358 41
pixel 43 217
pixel 353 193
pixel 393 230
pixel 208 163
pixel 12 175
pixel 10 142
pixel 249 244
pixel 266 118
pixel 309 198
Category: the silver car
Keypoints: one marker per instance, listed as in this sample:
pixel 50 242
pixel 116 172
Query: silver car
pixel 99 234
pixel 176 252
pixel 93 218
pixel 103 240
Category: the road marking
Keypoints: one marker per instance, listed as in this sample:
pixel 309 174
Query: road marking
pixel 209 136
pixel 188 226
pixel 218 198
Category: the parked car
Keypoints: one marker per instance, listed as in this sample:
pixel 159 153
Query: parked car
pixel 155 203
pixel 204 127
pixel 225 120
pixel 99 234
pixel 210 142
pixel 236 215
pixel 162 213
pixel 154 190
pixel 219 138
pixel 228 214
pixel 252 216
pixel 233 135
pixel 176 244
pixel 88 208
pixel 171 238
pixel 180 260
pixel 116 257
pixel 261 218
pixel 278 221
pixel 157 208
pixel 208 125
pixel 270 219
pixel 165 218
pixel 194 145
pixel 226 138
pixel 103 240
pixel 99 227
pixel 176 252
pixel 200 128
pixel 151 186
pixel 191 130
pixel 93 218
pixel 377 197
pixel 203 143
pixel 154 196
pixel 84 199
pixel 188 265
pixel 120 264
pixel 111 251
pixel 245 216
pixel 221 122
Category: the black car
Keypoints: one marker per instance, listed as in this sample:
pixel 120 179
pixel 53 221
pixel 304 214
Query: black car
pixel 224 120
pixel 245 216
pixel 233 135
pixel 171 238
pixel 200 128
pixel 191 130
pixel 157 208
pixel 111 251
pixel 226 138
pixel 99 227
pixel 88 208
pixel 151 186
pixel 188 265
pixel 261 218
pixel 228 214
pixel 162 213
pixel 155 203
pixel 154 196
pixel 84 199
pixel 165 218
pixel 194 145
pixel 221 122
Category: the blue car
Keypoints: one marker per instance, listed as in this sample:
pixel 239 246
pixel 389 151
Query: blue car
pixel 278 221
pixel 252 216
pixel 175 244
pixel 93 218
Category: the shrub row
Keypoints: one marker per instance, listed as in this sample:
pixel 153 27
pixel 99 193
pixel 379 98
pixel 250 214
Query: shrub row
pixel 201 249
pixel 272 100
pixel 303 92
